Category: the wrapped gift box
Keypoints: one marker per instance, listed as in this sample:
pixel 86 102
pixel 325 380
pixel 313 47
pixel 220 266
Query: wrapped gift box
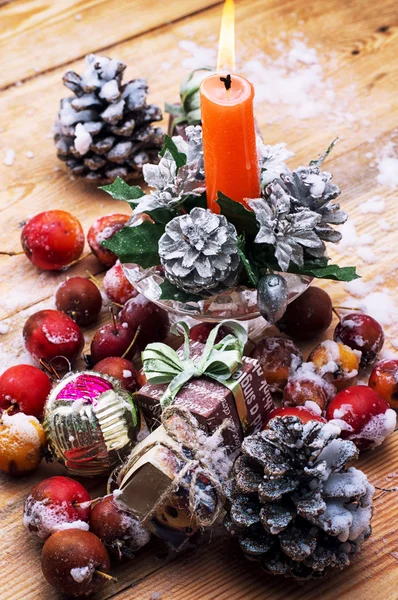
pixel 245 400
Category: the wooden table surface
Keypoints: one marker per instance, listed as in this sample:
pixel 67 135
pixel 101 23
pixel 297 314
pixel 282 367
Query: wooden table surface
pixel 353 82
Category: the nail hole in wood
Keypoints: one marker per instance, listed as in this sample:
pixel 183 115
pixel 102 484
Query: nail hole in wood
pixel 355 52
pixel 384 28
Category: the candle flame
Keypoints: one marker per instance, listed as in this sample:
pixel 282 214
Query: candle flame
pixel 226 47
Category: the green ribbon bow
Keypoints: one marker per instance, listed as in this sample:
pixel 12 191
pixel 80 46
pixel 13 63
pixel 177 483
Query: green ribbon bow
pixel 218 361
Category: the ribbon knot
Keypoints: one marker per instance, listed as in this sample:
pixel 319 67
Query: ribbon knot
pixel 219 361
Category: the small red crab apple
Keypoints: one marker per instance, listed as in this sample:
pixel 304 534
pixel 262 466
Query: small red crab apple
pixel 54 504
pixel 201 331
pixel 112 339
pixel 22 439
pixel 121 533
pixel 52 240
pixel 301 412
pixel 80 299
pixel 306 385
pixel 336 363
pixel 24 388
pixel 102 229
pixel 75 562
pixel 384 381
pixel 361 332
pixel 152 320
pixel 121 369
pixel 277 357
pixel 116 285
pixel 308 316
pixel 51 333
pixel 362 415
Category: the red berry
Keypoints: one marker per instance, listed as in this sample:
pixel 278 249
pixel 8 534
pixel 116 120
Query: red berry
pixel 384 381
pixel 277 357
pixel 152 320
pixel 116 285
pixel 25 388
pixel 308 316
pixel 201 331
pixel 121 533
pixel 306 386
pixel 366 419
pixel 112 339
pixel 70 560
pixel 102 229
pixel 121 369
pixel 55 503
pixel 52 240
pixel 302 413
pixel 51 333
pixel 361 332
pixel 80 299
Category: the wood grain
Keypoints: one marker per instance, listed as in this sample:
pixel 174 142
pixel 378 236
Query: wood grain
pixel 357 43
pixel 41 36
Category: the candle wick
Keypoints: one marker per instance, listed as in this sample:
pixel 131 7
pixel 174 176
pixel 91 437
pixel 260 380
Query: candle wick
pixel 227 81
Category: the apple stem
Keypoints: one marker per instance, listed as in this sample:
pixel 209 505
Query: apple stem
pixel 113 319
pixel 117 304
pixel 132 342
pixel 5 253
pixel 106 576
pixel 93 278
pixel 347 308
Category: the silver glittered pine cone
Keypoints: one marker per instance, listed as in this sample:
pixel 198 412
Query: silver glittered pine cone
pixel 293 503
pixel 199 252
pixel 106 130
pixel 310 188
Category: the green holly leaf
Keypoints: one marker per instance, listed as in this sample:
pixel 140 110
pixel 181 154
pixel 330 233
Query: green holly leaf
pixel 243 219
pixel 172 292
pixel 137 244
pixel 120 190
pixel 333 272
pixel 247 265
pixel 179 158
pixel 161 215
pixel 193 201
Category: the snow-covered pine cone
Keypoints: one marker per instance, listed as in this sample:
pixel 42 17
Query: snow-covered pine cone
pixel 106 130
pixel 293 504
pixel 199 252
pixel 310 188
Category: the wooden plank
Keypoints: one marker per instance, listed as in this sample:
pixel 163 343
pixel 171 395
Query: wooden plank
pixel 31 185
pixel 39 183
pixel 220 572
pixel 41 36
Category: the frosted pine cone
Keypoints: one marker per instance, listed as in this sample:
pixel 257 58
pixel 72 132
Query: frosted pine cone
pixel 294 506
pixel 310 188
pixel 106 130
pixel 199 252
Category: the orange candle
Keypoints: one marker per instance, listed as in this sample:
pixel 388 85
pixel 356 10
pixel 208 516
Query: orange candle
pixel 229 139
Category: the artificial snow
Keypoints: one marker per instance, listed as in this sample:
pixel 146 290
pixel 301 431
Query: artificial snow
pixel 80 574
pixel 383 224
pixel 366 254
pixel 388 167
pixel 200 57
pixel 21 429
pixel 83 139
pixel 9 157
pixel 4 328
pixel 374 205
